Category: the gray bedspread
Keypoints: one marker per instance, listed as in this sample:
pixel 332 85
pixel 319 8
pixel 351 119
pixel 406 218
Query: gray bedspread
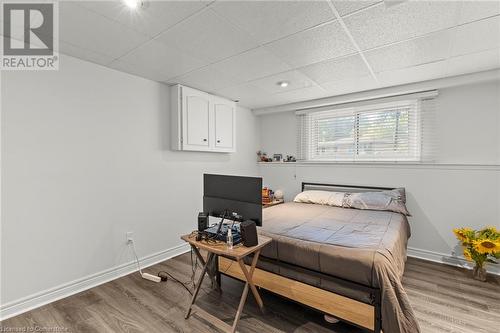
pixel 364 246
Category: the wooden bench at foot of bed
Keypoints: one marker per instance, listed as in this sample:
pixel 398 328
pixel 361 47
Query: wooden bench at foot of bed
pixel 339 306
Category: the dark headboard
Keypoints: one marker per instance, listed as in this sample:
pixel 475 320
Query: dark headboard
pixel 342 188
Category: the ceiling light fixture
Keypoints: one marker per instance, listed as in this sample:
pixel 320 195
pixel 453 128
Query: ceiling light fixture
pixel 133 4
pixel 282 84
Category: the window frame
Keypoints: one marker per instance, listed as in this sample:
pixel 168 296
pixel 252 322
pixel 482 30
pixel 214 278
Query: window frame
pixel 414 132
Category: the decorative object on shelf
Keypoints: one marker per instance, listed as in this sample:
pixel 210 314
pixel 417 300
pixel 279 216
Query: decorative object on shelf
pixel 277 157
pixel 290 158
pixel 278 195
pixel 481 246
pixel 260 154
pixel 267 196
pixel 262 157
pixel 270 198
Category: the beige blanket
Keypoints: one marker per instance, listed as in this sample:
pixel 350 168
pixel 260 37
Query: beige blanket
pixel 364 246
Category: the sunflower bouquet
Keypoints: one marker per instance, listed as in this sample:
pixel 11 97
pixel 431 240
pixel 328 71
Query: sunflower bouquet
pixel 481 246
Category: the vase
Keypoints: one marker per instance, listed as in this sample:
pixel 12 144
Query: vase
pixel 479 273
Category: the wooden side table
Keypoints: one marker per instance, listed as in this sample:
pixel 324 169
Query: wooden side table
pixel 237 253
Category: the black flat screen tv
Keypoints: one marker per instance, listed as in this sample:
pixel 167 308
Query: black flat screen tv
pixel 242 195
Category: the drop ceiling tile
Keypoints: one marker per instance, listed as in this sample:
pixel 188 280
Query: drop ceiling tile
pixel 252 65
pixel 474 62
pixel 88 30
pixel 379 26
pixel 168 61
pixel 336 69
pixel 477 36
pixel 412 74
pixel 414 52
pixel 238 92
pixel 295 79
pixel 347 7
pixel 142 71
pixel 350 85
pixel 302 94
pixel 313 45
pixel 153 18
pixel 253 97
pixel 77 52
pixel 298 95
pixel 476 10
pixel 207 79
pixel 267 101
pixel 247 94
pixel 207 36
pixel 271 20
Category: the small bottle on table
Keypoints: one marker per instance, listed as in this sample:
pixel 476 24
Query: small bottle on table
pixel 229 238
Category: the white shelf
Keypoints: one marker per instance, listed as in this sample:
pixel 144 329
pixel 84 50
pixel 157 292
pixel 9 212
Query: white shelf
pixel 408 165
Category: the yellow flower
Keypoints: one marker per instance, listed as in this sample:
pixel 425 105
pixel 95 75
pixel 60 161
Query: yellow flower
pixel 462 233
pixel 486 246
pixel 492 228
pixel 467 254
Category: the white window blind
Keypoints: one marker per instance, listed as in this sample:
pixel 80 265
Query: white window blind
pixel 387 130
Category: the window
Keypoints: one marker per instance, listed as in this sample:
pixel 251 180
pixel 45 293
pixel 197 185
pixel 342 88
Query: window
pixel 388 131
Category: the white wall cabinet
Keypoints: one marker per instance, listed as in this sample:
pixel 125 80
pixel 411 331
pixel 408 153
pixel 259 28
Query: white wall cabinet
pixel 201 121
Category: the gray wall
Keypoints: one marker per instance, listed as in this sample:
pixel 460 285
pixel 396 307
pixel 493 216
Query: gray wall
pixel 440 197
pixel 85 158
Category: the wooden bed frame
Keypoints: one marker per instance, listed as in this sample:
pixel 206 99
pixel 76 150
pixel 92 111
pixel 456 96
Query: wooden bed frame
pixel 367 316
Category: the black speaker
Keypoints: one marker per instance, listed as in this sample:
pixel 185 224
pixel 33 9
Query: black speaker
pixel 249 233
pixel 202 221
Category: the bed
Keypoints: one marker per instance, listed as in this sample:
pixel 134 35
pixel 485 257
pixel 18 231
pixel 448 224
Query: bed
pixel 344 262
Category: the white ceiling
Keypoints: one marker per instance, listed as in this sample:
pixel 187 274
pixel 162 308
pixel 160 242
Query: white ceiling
pixel 241 49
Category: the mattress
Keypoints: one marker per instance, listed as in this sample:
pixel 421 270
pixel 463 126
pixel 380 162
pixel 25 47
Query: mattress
pixel 364 246
pixel 336 241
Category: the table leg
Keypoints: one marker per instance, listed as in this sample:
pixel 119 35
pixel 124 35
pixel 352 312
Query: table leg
pixel 248 285
pixel 200 258
pixel 240 307
pixel 200 280
pixel 249 278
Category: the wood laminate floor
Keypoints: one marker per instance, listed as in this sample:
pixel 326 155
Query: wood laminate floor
pixel 444 298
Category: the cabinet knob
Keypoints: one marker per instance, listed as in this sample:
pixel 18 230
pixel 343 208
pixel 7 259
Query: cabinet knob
pixel 204 140
pixel 218 141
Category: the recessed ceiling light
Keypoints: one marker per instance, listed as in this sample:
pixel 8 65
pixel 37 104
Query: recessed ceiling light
pixel 282 84
pixel 133 4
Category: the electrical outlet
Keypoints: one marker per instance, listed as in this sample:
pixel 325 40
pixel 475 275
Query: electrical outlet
pixel 129 236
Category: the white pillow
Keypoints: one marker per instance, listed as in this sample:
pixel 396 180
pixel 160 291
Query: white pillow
pixel 321 197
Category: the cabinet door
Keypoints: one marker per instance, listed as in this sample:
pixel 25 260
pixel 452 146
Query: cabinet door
pixel 224 125
pixel 196 116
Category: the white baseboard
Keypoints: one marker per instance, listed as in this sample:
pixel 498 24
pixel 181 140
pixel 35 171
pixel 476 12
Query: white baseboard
pixel 448 259
pixel 25 304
